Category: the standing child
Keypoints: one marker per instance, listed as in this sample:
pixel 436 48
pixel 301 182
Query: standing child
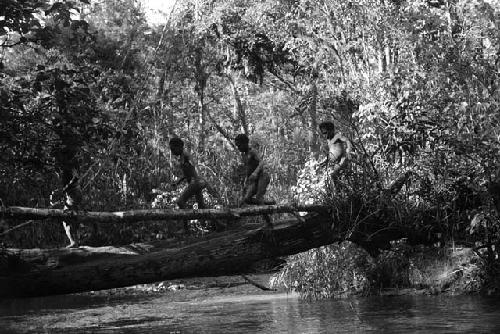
pixel 196 184
pixel 72 200
pixel 257 179
pixel 339 149
pixel 67 160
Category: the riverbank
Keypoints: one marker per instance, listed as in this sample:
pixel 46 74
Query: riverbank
pixel 199 288
pixel 426 271
pixel 417 271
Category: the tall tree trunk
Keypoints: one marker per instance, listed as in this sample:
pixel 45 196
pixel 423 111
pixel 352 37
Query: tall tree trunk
pixel 164 113
pixel 202 120
pixel 239 115
pixel 313 121
pixel 200 85
pixel 278 122
pixel 449 17
pixel 157 121
pixel 382 64
pixel 388 57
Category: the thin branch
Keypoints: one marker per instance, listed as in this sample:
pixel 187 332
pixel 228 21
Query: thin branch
pixel 221 130
pixel 283 81
pixel 258 285
pixel 16 227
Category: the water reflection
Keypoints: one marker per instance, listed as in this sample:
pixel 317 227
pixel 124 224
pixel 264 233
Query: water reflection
pixel 278 313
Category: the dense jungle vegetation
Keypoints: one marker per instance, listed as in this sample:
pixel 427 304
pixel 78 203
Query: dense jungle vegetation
pixel 414 85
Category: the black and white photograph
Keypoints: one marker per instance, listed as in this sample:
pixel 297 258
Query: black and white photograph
pixel 249 166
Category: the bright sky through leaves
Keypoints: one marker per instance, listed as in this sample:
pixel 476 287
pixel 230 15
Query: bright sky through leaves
pixel 157 10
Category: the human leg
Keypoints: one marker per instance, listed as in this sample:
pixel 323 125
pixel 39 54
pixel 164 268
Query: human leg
pixel 67 229
pixel 199 198
pixel 262 183
pixel 189 192
pixel 193 189
pixel 73 198
pixel 249 192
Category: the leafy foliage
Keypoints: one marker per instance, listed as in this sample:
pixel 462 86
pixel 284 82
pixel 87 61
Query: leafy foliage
pixel 326 272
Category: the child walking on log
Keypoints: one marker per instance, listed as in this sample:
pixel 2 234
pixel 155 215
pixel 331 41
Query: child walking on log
pixel 66 158
pixel 339 149
pixel 257 179
pixel 72 200
pixel 196 184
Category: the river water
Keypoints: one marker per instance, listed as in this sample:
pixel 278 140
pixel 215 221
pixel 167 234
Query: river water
pixel 258 313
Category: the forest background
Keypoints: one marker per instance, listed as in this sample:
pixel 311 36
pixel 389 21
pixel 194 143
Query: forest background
pixel 414 84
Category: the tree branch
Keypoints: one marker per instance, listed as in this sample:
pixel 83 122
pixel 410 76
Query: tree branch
pixel 258 285
pixel 15 212
pixel 221 130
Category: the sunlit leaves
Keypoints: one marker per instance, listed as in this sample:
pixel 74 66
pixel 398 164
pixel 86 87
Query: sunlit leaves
pixel 311 183
pixel 326 272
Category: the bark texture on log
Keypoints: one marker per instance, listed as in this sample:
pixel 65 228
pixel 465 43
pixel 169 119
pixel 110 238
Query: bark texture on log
pixel 226 253
pixel 40 258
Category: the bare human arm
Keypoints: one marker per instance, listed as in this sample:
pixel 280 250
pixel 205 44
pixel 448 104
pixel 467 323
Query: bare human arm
pixel 255 155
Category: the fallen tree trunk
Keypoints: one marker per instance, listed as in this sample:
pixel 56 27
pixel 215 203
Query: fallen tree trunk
pixel 15 212
pixel 226 253
pixel 41 259
pixel 28 273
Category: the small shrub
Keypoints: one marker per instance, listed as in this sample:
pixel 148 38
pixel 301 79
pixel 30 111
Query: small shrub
pixel 326 272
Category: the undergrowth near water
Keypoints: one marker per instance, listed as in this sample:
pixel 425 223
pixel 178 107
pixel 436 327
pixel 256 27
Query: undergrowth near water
pixel 364 261
pixel 345 269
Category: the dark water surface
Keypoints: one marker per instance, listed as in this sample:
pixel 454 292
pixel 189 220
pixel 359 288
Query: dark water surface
pixel 275 313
